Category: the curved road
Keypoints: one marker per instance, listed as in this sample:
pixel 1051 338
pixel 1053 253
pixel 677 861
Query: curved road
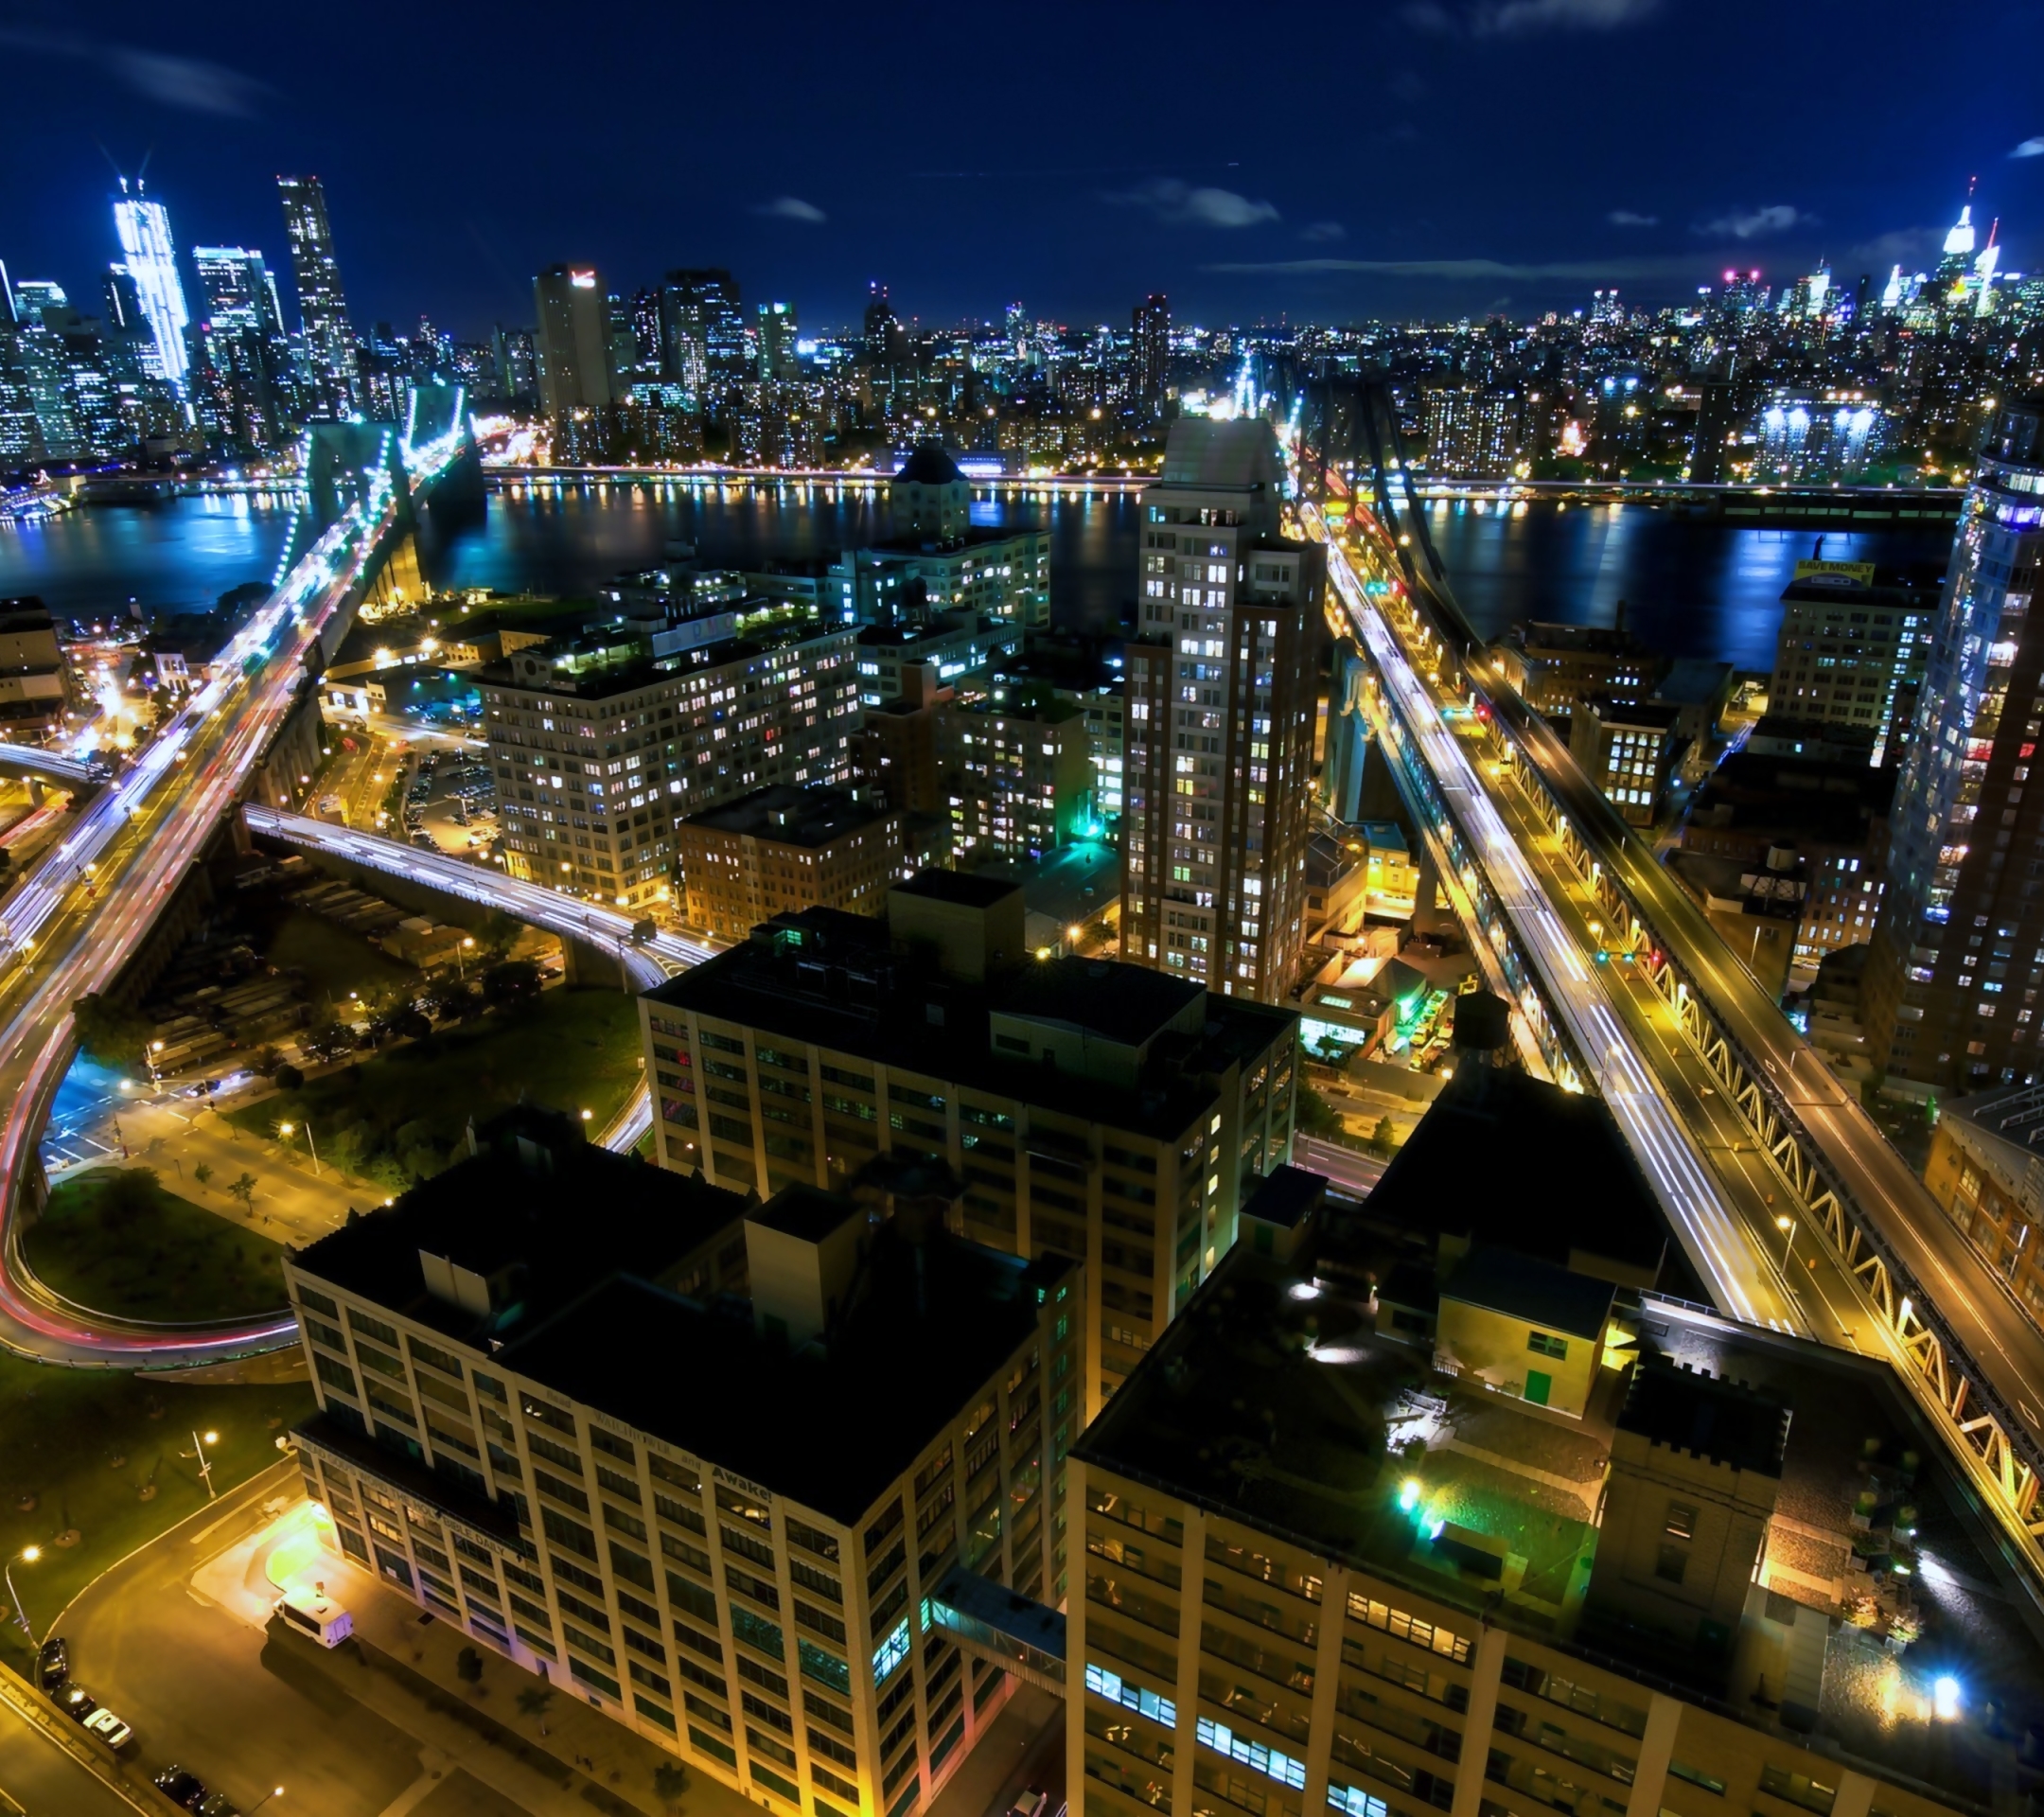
pixel 73 924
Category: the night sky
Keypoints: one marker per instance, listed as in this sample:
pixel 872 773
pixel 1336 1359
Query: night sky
pixel 1328 161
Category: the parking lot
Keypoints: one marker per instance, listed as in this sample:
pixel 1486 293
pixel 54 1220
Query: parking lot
pixel 451 803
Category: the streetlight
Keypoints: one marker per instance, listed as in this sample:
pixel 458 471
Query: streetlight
pixel 274 1791
pixel 205 1468
pixel 155 1049
pixel 27 1555
pixel 1787 1227
pixel 461 963
pixel 285 1129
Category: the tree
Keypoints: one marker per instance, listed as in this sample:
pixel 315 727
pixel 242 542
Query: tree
pixel 244 1189
pixel 114 1036
pixel 1383 1139
pixel 128 1196
pixel 1315 1115
pixel 202 1173
pixel 288 1077
pixel 515 981
pixel 329 1040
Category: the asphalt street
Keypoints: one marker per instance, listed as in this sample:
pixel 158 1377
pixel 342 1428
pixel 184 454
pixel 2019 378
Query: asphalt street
pixel 39 1779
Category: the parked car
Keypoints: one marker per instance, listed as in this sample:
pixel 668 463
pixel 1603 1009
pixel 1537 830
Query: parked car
pixel 77 1702
pixel 217 1804
pixel 184 1787
pixel 109 1728
pixel 53 1663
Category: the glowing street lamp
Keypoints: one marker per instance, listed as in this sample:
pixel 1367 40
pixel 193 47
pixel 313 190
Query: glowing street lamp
pixel 27 1555
pixel 205 1468
pixel 1787 1227
pixel 285 1129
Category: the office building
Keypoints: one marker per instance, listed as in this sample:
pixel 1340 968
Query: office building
pixel 780 850
pixel 1223 684
pixel 1473 434
pixel 777 338
pixel 35 680
pixel 242 379
pixel 1018 779
pixel 332 375
pixel 143 228
pixel 1806 437
pixel 1852 648
pixel 1150 355
pixel 1961 941
pixel 600 743
pixel 1304 1591
pixel 895 749
pixel 1630 750
pixel 545 1416
pixel 703 336
pixel 1100 1111
pixel 518 366
pixel 573 342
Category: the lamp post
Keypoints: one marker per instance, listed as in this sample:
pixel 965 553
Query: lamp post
pixel 205 1468
pixel 274 1791
pixel 1787 1227
pixel 155 1049
pixel 27 1555
pixel 285 1129
pixel 461 959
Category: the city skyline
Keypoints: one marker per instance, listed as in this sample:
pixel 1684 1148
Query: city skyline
pixel 1413 225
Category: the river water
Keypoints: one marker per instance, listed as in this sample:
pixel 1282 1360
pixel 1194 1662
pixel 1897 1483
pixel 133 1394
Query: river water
pixel 1691 587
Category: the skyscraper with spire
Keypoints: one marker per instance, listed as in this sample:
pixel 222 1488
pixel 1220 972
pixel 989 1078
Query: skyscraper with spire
pixel 143 228
pixel 333 373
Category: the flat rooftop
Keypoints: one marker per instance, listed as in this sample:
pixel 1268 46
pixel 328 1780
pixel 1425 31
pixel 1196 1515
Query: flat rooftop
pixel 928 1324
pixel 790 815
pixel 529 1204
pixel 844 987
pixel 1069 883
pixel 1272 1401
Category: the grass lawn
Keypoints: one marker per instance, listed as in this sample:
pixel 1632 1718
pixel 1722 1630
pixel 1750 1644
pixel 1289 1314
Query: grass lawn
pixel 394 1114
pixel 154 1255
pixel 334 961
pixel 65 1430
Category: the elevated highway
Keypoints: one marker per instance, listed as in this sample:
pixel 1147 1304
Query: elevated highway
pixel 1921 1296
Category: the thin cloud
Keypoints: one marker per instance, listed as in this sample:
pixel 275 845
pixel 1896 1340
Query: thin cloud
pixel 1323 230
pixel 2028 148
pixel 1626 218
pixel 1407 86
pixel 1520 17
pixel 1488 269
pixel 792 208
pixel 1182 203
pixel 1902 246
pixel 1751 223
pixel 187 82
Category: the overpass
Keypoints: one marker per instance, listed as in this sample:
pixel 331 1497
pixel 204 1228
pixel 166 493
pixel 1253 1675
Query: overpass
pixel 1973 1359
pixel 642 964
pixel 74 921
pixel 36 765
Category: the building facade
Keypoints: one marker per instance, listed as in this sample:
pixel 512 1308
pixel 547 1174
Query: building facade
pixel 333 371
pixel 780 850
pixel 1222 692
pixel 1851 650
pixel 573 341
pixel 1959 955
pixel 596 765
pixel 1018 780
pixel 1095 1110
pixel 735 1577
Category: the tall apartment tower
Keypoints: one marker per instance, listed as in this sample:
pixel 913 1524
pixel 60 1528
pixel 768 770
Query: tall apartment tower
pixel 573 340
pixel 1221 682
pixel 332 369
pixel 1150 353
pixel 1959 952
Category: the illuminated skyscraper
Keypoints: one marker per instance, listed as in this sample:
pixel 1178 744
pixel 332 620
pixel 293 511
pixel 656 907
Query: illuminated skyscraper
pixel 1222 686
pixel 1959 953
pixel 144 230
pixel 242 382
pixel 573 340
pixel 702 333
pixel 1149 354
pixel 237 288
pixel 333 372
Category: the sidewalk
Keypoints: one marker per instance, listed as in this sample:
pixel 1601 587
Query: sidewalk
pixel 534 1743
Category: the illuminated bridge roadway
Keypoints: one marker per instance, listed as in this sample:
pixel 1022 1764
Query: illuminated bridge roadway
pixel 1919 1294
pixel 76 919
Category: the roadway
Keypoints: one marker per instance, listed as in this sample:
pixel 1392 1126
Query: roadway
pixel 89 902
pixel 644 965
pixel 1736 1268
pixel 1974 1305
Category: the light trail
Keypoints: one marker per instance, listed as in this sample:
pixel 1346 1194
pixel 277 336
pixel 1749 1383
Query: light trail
pixel 1720 1245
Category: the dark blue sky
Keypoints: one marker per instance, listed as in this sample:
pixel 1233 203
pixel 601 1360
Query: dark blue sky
pixel 1332 162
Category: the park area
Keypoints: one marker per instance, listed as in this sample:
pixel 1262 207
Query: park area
pixel 99 1462
pixel 402 1112
pixel 115 1240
